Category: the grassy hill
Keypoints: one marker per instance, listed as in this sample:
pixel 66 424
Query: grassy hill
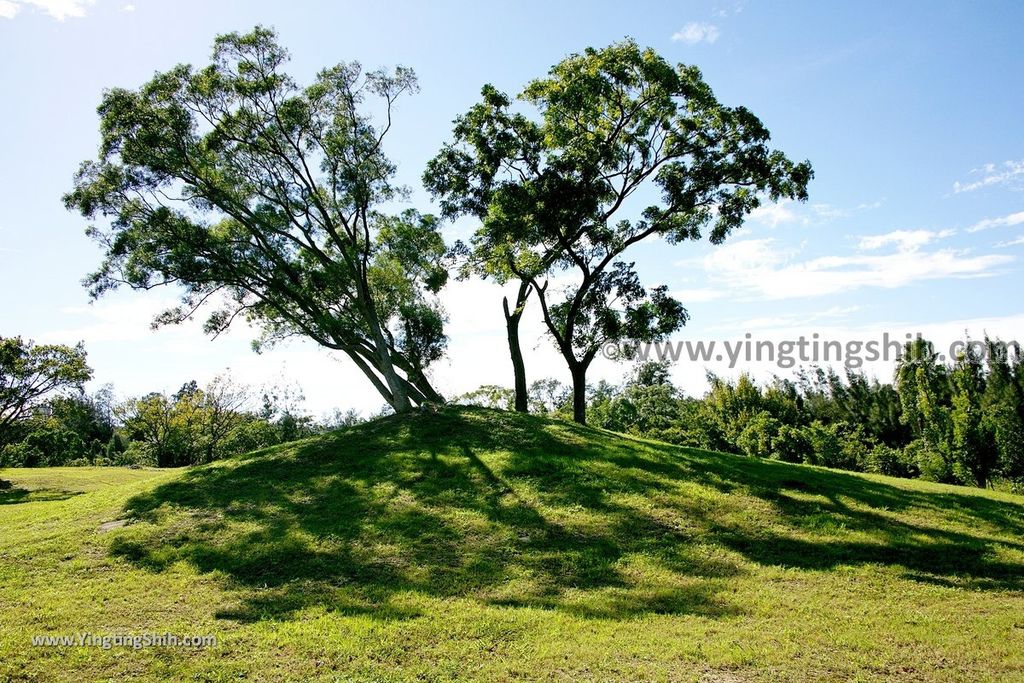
pixel 474 544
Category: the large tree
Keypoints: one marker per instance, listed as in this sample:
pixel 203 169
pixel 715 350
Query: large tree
pixel 552 191
pixel 244 189
pixel 30 372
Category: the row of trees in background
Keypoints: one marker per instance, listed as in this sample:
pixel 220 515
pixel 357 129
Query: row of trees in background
pixel 47 419
pixel 959 422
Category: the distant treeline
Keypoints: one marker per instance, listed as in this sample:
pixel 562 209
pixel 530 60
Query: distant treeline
pixel 47 420
pixel 959 422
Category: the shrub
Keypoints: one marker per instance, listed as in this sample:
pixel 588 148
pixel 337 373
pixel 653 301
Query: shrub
pixel 930 461
pixel 48 444
pixel 137 454
pixel 792 444
pixel 894 462
pixel 20 455
pixel 250 436
pixel 758 438
pixel 838 445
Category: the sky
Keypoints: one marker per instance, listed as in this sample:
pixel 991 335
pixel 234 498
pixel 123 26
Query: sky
pixel 909 112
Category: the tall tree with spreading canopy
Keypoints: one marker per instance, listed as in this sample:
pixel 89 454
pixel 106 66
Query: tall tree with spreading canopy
pixel 550 190
pixel 245 189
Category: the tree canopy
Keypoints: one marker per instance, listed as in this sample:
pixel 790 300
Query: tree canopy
pixel 551 190
pixel 31 372
pixel 263 199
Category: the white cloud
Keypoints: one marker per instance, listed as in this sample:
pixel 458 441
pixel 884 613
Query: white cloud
pixel 990 175
pixel 119 319
pixel 1004 221
pixel 128 8
pixel 728 11
pixel 756 269
pixel 58 9
pixel 774 214
pixel 696 32
pixel 698 295
pixel 827 212
pixel 1011 243
pixel 791 320
pixel 903 240
pixel 789 211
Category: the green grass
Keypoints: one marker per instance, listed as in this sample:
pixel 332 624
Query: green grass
pixel 478 545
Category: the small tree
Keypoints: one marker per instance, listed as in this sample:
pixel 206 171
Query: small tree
pixel 922 383
pixel 1002 408
pixel 973 443
pixel 30 372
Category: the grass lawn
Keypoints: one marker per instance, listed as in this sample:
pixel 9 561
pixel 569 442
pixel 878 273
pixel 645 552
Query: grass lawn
pixel 478 545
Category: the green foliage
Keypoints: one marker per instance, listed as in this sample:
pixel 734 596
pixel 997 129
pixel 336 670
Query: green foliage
pixel 728 407
pixel 238 185
pixel 20 454
pixel 1007 427
pixel 647 405
pixel 760 436
pixel 853 398
pixel 548 190
pixel 53 444
pixel 487 396
pixel 972 445
pixel 250 435
pixel 958 424
pixel 549 397
pixel 29 373
pixel 114 447
pixel 792 444
pixel 340 419
pixel 140 454
pixel 1002 408
pixel 894 462
pixel 189 428
pixel 932 461
pixel 924 390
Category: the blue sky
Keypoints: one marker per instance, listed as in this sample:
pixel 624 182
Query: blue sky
pixel 909 112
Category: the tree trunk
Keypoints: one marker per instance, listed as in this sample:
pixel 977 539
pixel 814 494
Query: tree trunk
pixel 579 392
pixel 399 394
pixel 396 384
pixel 512 319
pixel 420 381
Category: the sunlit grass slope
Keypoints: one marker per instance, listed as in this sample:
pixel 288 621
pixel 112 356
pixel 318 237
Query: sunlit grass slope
pixel 479 545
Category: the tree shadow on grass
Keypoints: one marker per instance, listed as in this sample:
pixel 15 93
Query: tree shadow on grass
pixel 509 509
pixel 15 496
pixel 833 518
